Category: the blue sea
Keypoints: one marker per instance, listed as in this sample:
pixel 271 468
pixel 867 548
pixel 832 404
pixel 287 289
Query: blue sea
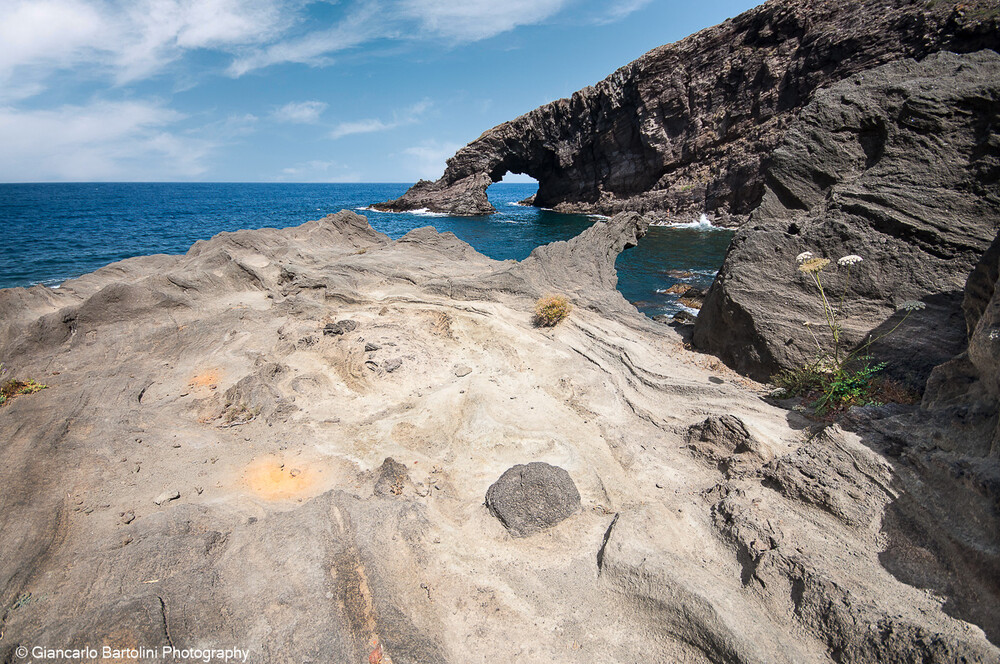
pixel 54 232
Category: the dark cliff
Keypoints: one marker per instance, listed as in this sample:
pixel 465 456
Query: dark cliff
pixel 685 128
pixel 898 165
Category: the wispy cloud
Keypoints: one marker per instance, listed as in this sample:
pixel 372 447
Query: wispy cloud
pixel 368 20
pixel 318 170
pixel 132 140
pixel 620 10
pixel 130 40
pixel 427 160
pixel 472 20
pixel 127 40
pixel 411 115
pixel 361 25
pixel 303 112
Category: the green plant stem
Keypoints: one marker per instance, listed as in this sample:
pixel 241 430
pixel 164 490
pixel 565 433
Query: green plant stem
pixel 831 320
pixel 878 338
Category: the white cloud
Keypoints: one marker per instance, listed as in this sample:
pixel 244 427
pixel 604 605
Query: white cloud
pixel 456 21
pixel 472 20
pixel 362 25
pixel 411 115
pixel 427 160
pixel 318 170
pixel 126 39
pixel 304 112
pixel 130 40
pixel 100 141
pixel 621 9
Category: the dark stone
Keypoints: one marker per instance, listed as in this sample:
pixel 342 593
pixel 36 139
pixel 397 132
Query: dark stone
pixel 967 388
pixel 684 318
pixel 340 327
pixel 392 364
pixel 371 348
pixel 530 498
pixel 393 478
pixel 686 128
pixel 894 165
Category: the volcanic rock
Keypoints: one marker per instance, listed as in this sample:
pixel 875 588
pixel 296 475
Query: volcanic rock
pixel 393 478
pixel 894 165
pixel 528 498
pixel 685 128
pixel 851 545
pixel 340 327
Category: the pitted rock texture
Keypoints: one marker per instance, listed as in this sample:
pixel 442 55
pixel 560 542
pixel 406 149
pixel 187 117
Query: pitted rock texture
pixel 685 128
pixel 529 498
pixel 897 165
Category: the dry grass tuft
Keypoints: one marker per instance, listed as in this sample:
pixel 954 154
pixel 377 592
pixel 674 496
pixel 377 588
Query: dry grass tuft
pixel 551 310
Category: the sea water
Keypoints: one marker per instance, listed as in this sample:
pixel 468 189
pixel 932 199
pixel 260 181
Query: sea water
pixel 54 232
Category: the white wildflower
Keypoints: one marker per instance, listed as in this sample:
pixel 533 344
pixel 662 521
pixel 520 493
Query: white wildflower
pixel 912 305
pixel 805 255
pixel 852 259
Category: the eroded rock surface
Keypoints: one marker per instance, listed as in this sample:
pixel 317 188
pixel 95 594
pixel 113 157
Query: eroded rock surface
pixel 329 511
pixel 897 165
pixel 685 128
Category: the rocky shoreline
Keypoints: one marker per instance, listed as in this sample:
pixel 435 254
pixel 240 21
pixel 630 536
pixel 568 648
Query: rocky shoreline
pixel 282 442
pixel 318 444
pixel 687 128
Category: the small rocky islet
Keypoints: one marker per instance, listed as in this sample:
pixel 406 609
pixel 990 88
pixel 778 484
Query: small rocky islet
pixel 320 444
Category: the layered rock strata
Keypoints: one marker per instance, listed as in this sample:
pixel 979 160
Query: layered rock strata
pixel 685 128
pixel 323 508
pixel 898 165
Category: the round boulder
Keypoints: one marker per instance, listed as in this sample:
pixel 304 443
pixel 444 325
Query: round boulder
pixel 530 498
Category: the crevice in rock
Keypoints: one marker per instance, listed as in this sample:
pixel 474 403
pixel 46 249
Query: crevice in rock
pixel 604 544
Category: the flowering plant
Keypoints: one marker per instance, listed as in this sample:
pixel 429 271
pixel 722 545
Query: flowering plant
pixel 841 378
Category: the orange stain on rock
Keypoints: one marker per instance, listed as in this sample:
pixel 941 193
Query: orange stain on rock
pixel 206 379
pixel 272 479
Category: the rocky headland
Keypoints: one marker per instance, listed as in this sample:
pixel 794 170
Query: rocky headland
pixel 687 128
pixel 317 444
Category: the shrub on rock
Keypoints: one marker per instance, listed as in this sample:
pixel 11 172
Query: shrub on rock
pixel 551 310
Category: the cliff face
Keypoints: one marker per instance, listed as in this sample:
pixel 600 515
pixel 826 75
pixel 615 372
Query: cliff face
pixel 685 128
pixel 898 165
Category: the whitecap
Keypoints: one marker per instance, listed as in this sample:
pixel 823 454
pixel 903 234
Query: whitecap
pixel 701 224
pixel 424 212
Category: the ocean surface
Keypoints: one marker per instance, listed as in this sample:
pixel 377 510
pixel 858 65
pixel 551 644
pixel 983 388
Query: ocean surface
pixel 54 232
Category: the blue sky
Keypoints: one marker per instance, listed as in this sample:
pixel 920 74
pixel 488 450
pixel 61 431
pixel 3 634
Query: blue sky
pixel 293 90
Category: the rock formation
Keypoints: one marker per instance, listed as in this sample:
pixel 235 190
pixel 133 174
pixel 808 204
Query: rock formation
pixel 967 389
pixel 324 509
pixel 685 128
pixel 897 165
pixel 529 498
